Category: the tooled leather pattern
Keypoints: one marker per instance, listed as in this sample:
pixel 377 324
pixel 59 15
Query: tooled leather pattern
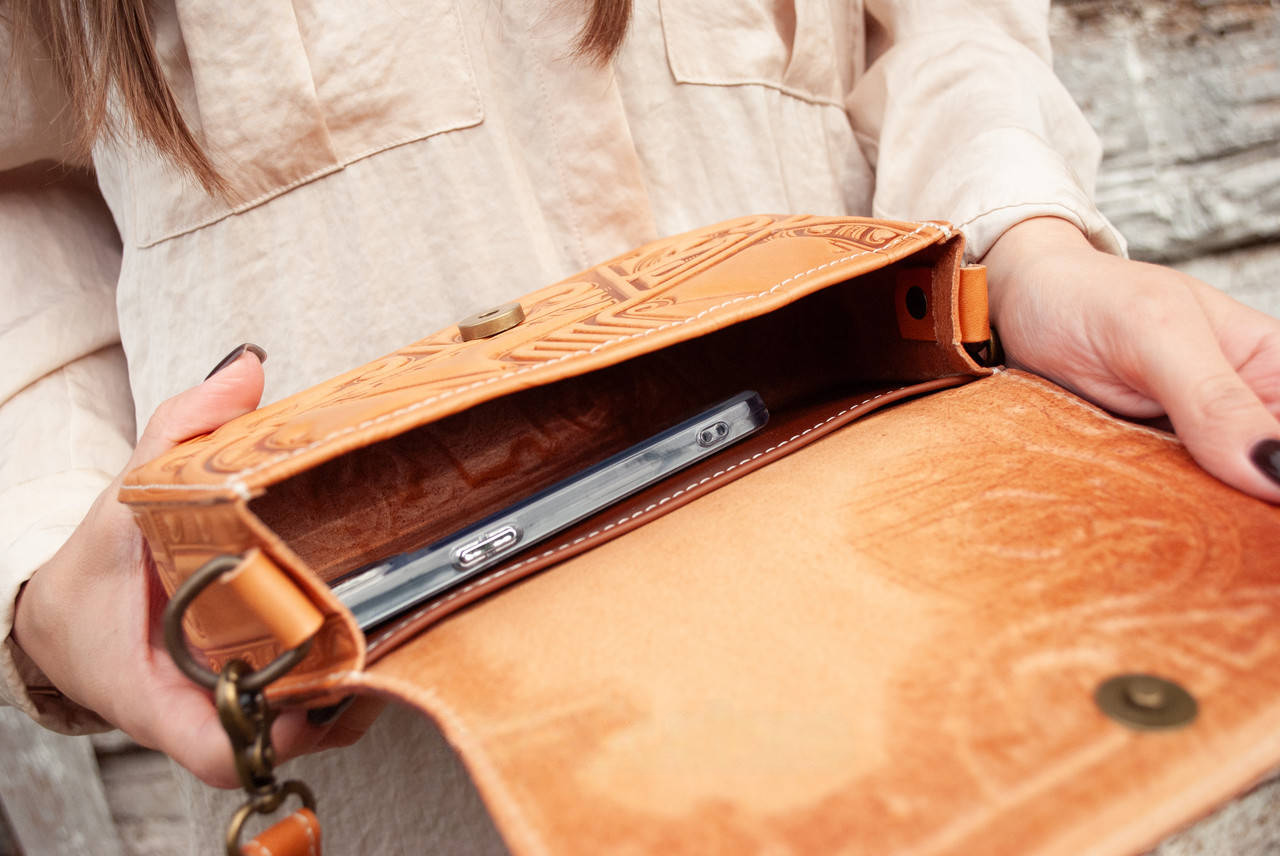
pixel 646 300
pixel 601 312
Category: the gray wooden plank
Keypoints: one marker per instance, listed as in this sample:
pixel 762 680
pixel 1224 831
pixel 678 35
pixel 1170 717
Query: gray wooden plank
pixel 1185 95
pixel 1247 826
pixel 146 803
pixel 51 791
pixel 1250 275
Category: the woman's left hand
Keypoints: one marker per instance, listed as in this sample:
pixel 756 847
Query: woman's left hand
pixel 1143 340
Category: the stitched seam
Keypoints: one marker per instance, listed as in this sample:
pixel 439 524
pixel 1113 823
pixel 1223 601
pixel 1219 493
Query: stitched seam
pixel 997 372
pixel 234 482
pixel 314 175
pixel 1000 208
pixel 1092 410
pixel 793 91
pixel 627 519
pixel 261 848
pixel 306 827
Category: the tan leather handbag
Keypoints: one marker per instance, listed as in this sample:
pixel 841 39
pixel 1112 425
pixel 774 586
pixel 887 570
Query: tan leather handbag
pixel 988 618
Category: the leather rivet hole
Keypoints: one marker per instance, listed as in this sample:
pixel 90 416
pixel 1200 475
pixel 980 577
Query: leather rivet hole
pixel 917 303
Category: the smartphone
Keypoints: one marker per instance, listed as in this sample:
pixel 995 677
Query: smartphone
pixel 383 590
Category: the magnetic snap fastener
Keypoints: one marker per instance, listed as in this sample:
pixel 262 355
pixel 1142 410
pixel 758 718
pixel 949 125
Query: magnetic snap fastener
pixel 491 322
pixel 1146 702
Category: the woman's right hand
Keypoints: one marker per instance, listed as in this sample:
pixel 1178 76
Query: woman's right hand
pixel 90 617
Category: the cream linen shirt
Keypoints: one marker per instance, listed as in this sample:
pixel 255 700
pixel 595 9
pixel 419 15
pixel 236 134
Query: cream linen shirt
pixel 399 164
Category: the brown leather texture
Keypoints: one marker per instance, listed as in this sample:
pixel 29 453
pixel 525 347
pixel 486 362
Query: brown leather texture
pixel 887 642
pixel 298 834
pixel 876 627
pixel 440 433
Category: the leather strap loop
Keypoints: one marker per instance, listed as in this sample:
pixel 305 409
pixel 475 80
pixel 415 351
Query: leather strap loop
pixel 175 639
pixel 296 835
pixel 975 324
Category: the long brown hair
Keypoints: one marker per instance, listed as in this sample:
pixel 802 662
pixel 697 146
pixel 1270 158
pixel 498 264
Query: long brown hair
pixel 95 45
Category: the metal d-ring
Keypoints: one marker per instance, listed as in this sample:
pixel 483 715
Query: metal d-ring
pixel 265 804
pixel 176 640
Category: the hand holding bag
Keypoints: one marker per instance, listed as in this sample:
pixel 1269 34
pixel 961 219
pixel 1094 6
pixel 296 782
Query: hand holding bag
pixel 886 642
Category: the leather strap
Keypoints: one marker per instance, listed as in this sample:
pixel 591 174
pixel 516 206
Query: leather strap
pixel 266 591
pixel 975 325
pixel 296 835
pixel 916 318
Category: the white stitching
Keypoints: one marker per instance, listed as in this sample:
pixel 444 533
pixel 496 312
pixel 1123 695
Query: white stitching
pixel 333 676
pixel 505 571
pixel 253 842
pixel 311 836
pixel 1033 380
pixel 1092 410
pixel 233 482
pixel 648 508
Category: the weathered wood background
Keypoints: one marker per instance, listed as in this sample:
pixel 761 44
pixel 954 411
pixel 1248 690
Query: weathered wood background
pixel 1186 97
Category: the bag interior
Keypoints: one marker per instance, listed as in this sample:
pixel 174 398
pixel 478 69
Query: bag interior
pixel 810 358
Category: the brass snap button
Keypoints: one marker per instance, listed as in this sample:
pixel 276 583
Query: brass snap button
pixel 491 322
pixel 1146 702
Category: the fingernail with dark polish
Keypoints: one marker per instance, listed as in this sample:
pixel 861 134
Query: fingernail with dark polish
pixel 235 354
pixel 1266 457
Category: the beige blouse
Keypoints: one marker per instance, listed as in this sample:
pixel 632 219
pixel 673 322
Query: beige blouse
pixel 399 164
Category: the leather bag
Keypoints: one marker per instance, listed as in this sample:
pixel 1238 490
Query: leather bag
pixel 879 626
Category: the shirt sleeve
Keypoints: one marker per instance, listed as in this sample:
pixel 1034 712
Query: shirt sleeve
pixel 66 415
pixel 962 117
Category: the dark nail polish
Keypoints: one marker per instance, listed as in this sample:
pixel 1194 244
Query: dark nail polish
pixel 1266 457
pixel 235 354
pixel 327 715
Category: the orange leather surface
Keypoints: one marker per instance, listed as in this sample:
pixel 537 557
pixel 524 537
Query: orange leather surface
pixel 862 632
pixel 272 597
pixel 886 642
pixel 786 432
pixel 651 298
pixel 974 317
pixel 296 835
pixel 435 435
pixel 916 279
pixel 971 309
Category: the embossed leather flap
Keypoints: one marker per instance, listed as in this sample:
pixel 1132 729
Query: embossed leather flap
pixel 885 643
pixel 825 317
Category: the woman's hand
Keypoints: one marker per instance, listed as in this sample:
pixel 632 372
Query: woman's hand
pixel 90 617
pixel 1142 341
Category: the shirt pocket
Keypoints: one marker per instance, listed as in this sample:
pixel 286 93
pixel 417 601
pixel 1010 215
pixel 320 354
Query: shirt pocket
pixel 280 93
pixel 811 49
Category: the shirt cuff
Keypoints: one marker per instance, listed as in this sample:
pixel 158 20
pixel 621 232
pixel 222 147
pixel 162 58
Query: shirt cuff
pixel 28 542
pixel 1004 176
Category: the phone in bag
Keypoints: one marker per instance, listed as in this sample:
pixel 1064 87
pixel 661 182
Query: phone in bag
pixel 383 590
